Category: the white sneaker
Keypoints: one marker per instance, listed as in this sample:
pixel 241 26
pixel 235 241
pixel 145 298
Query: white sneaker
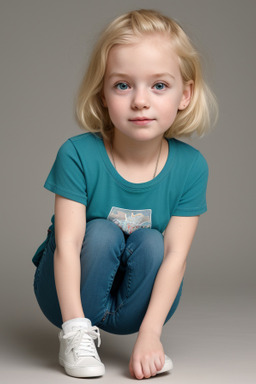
pixel 168 365
pixel 78 354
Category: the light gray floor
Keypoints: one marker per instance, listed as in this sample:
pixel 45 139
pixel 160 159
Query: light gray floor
pixel 211 339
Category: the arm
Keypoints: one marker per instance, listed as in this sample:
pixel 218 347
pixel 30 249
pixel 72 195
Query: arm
pixel 70 224
pixel 148 355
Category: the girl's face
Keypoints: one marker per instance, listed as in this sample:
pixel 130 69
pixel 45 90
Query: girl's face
pixel 143 88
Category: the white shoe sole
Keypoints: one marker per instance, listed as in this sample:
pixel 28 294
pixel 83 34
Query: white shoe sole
pixel 168 366
pixel 83 371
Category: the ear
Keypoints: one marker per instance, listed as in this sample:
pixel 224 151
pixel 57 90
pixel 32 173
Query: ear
pixel 187 95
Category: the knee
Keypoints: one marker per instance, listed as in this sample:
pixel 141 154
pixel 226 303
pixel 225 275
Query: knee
pixel 149 245
pixel 102 235
pixel 151 241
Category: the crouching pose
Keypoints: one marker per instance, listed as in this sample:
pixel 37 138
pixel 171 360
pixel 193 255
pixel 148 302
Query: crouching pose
pixel 128 195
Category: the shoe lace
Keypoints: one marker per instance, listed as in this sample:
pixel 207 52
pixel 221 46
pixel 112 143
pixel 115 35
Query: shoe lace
pixel 81 341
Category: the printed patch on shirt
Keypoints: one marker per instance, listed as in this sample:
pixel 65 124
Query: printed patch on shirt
pixel 130 220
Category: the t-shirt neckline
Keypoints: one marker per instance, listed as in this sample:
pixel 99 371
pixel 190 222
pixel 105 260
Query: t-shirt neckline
pixel 135 186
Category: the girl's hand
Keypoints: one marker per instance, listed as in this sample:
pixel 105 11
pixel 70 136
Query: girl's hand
pixel 147 357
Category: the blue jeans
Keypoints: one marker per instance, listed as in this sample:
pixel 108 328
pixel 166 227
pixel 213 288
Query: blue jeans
pixel 117 276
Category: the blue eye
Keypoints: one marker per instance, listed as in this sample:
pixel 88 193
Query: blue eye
pixel 122 86
pixel 159 86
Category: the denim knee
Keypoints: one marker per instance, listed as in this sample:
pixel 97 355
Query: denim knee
pixel 147 245
pixel 102 234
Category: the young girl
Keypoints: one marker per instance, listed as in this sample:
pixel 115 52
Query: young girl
pixel 128 195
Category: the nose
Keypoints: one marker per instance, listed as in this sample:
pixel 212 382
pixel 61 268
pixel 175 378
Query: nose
pixel 140 99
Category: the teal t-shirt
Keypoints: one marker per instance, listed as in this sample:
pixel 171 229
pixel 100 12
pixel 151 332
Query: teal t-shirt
pixel 84 173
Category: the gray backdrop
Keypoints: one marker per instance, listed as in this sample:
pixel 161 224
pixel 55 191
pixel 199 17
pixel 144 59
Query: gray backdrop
pixel 44 49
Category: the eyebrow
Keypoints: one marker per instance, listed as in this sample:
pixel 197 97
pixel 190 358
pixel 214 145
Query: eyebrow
pixel 155 75
pixel 163 74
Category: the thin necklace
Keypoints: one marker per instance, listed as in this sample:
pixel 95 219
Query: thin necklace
pixel 157 160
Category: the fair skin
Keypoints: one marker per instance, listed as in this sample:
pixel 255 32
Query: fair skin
pixel 143 90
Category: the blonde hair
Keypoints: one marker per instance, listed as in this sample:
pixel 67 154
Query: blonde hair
pixel 91 113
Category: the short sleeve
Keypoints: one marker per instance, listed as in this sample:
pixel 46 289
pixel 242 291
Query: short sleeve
pixel 192 201
pixel 67 177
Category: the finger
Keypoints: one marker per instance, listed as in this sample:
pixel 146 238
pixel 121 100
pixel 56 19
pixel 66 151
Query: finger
pixel 137 370
pixel 153 369
pixel 162 359
pixel 158 364
pixel 146 369
pixel 131 368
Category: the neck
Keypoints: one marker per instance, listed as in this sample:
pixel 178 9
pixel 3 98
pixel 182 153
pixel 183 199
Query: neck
pixel 136 152
pixel 139 161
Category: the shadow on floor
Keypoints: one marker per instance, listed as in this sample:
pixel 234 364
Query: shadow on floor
pixel 38 346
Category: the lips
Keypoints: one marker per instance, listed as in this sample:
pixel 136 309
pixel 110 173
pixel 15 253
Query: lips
pixel 141 119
